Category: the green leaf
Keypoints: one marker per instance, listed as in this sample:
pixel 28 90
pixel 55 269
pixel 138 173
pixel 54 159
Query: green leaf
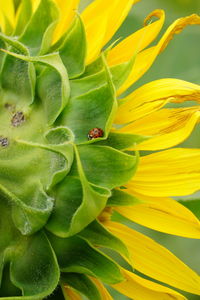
pixel 24 15
pixel 193 205
pixel 73 49
pixel 38 34
pixel 2 54
pixel 77 201
pixel 29 217
pixel 53 92
pixel 105 166
pixel 83 85
pixel 43 277
pixel 7 287
pixel 122 198
pixel 94 67
pixel 15 44
pixel 122 141
pixel 33 265
pixel 59 135
pixel 121 72
pixel 53 85
pixel 34 165
pixel 77 204
pixel 82 284
pixel 77 256
pixel 92 103
pixel 17 76
pixel 96 234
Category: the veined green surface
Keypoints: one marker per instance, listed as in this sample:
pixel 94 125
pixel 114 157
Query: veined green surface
pixel 54 180
pixel 49 166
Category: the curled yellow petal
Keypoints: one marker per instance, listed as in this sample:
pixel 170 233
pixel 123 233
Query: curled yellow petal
pixel 174 172
pixel 145 58
pixel 68 10
pixel 154 260
pixel 162 214
pixel 105 295
pixel 112 13
pixel 138 40
pixel 138 288
pixel 153 95
pixel 169 127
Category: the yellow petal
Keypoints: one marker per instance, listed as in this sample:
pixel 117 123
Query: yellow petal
pixel 67 13
pixel 174 172
pixel 118 13
pixel 7 12
pixel 102 290
pixel 138 288
pixel 162 214
pixel 35 4
pixel 169 127
pixel 145 59
pixel 70 293
pixel 112 13
pixel 155 261
pixel 138 40
pixel 95 32
pixel 153 95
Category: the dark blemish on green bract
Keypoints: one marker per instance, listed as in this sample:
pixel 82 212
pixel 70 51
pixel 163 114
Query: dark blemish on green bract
pixel 10 107
pixel 3 142
pixel 17 119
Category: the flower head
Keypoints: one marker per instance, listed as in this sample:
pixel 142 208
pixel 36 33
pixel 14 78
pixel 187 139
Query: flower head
pixel 69 154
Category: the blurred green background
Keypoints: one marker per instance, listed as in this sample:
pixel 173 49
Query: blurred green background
pixel 180 60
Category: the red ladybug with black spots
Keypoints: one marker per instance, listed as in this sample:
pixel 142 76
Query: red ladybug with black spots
pixel 95 133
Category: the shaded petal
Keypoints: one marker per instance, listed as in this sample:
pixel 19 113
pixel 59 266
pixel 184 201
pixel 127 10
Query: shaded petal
pixel 155 261
pixel 138 40
pixel 70 293
pixel 145 59
pixel 7 12
pixel 113 12
pixel 174 172
pixel 162 214
pixel 118 13
pixel 168 126
pixel 140 288
pixel 95 32
pixel 102 290
pixel 154 95
pixel 67 13
pixel 35 4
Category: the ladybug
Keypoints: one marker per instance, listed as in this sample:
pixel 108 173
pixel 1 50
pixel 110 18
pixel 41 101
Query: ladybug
pixel 95 133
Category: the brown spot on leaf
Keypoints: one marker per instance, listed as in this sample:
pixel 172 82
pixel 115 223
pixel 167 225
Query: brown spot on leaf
pixel 17 119
pixel 4 141
pixel 10 107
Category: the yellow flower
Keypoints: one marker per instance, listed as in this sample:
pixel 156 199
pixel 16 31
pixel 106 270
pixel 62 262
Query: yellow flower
pixel 159 175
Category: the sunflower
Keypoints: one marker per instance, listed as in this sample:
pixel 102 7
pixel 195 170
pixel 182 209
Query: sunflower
pixel 70 158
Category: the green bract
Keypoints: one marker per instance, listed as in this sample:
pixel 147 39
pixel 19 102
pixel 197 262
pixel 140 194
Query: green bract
pixel 54 181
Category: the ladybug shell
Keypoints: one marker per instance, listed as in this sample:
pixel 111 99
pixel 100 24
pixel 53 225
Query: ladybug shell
pixel 95 133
